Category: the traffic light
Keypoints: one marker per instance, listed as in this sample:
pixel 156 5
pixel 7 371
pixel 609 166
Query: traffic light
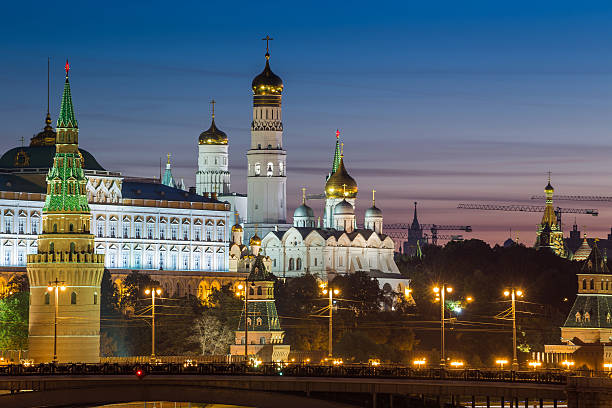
pixel 140 373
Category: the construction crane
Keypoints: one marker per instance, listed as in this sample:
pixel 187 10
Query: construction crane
pixel 529 208
pixel 403 235
pixel 433 228
pixel 573 198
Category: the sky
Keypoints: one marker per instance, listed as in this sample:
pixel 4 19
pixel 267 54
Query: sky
pixel 440 102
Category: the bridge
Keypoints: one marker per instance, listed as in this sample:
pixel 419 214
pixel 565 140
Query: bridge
pixel 296 386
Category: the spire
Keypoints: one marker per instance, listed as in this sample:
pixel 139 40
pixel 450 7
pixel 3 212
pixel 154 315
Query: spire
pixel 373 198
pixel 303 195
pixel 168 180
pixel 336 161
pixel 414 218
pixel 66 117
pixel 549 218
pixel 48 118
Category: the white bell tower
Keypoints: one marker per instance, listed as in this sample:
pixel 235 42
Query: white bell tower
pixel 266 173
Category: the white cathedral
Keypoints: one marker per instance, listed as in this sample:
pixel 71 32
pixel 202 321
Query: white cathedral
pixel 183 238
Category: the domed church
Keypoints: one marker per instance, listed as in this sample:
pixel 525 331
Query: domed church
pixel 340 246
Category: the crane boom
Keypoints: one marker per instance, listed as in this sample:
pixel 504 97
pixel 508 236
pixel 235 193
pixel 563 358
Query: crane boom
pixel 574 198
pixel 527 208
pixel 400 226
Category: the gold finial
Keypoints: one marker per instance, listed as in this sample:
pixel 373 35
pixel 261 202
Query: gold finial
pixel 168 162
pixel 267 40
pixel 344 188
pixel 304 195
pixel 342 149
pixel 373 199
pixel 212 104
pixel 549 173
pixel 256 225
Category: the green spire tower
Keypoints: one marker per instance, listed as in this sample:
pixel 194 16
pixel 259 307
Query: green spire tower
pixel 337 155
pixel 65 274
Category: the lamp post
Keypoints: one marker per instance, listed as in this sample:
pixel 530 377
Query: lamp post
pixel 152 292
pixel 514 293
pixel 56 286
pixel 440 291
pixel 330 292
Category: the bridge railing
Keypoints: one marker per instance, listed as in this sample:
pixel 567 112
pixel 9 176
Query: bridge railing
pixel 292 370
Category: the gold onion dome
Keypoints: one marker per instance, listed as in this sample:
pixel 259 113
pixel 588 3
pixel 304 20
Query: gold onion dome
pixel 255 240
pixel 267 83
pixel 549 188
pixel 213 136
pixel 340 184
pixel 237 228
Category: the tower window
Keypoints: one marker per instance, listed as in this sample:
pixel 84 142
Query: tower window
pixel 95 298
pixel 47 298
pixel 257 169
pixel 73 297
pixel 270 170
pixel 592 285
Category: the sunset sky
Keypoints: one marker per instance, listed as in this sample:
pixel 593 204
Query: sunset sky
pixel 437 102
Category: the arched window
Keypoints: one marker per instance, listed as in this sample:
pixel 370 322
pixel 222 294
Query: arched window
pixel 95 298
pixel 291 261
pixel 251 291
pixel 270 170
pixel 592 286
pixel 71 227
pixel 262 340
pixel 602 283
pixel 259 291
pixel 72 247
pixel 54 227
pixel 298 264
pixel 51 247
pixel 258 321
pixel 584 286
pixel 257 169
pixel 73 298
pixel 47 298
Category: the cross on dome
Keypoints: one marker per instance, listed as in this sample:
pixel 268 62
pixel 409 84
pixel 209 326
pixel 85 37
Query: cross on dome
pixel 267 40
pixel 212 104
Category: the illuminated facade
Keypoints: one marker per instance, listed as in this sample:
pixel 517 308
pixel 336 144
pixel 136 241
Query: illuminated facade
pixel 213 175
pixel 549 234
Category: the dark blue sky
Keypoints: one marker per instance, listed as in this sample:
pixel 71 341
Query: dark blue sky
pixel 439 102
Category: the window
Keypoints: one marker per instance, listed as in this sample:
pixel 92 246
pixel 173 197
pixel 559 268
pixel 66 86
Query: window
pixel 219 234
pixel 185 233
pixel 161 261
pixel 124 259
pixel 196 262
pixel 54 227
pixel 47 298
pixel 71 228
pixel 34 226
pixel 592 285
pixel 197 234
pixel 126 231
pixel 162 230
pixel 137 260
pixel 100 229
pixel 185 262
pixel 258 321
pixel 257 169
pixel 138 230
pixel 21 258
pixel 262 340
pixel 174 261
pixel 149 260
pixel 150 231
pixel 270 170
pixel 208 234
pixel 280 169
pixel 174 230
pixel 72 247
pixel 73 296
pixel 208 262
pixel 21 225
pixel 291 261
pixel 95 298
pixel 113 230
pixel 259 291
pixel 52 247
pixel 584 285
pixel 7 257
pixel 298 264
pixel 8 225
pixel 315 261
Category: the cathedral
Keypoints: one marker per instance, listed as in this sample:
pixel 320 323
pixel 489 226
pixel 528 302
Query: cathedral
pixel 549 233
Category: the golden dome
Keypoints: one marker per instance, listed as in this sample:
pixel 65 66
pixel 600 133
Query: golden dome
pixel 267 83
pixel 237 228
pixel 255 240
pixel 340 184
pixel 213 135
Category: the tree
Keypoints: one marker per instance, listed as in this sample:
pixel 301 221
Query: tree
pixel 213 337
pixel 133 288
pixel 18 283
pixel 225 306
pixel 109 295
pixel 14 321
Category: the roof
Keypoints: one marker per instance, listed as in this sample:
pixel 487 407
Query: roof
pixel 40 157
pixel 266 311
pixel 583 252
pixel 156 191
pixel 259 271
pixel 213 135
pixel 66 117
pixel 595 263
pixel 599 308
pixel 13 182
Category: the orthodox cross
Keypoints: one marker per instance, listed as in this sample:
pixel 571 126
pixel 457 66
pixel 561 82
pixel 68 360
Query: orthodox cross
pixel 267 40
pixel 549 173
pixel 212 104
pixel 342 149
pixel 168 158
pixel 373 200
pixel 344 188
pixel 303 195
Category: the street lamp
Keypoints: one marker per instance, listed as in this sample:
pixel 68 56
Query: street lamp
pixel 534 364
pixel 514 293
pixel 419 362
pixel 246 317
pixel 501 362
pixel 441 291
pixel 568 364
pixel 608 366
pixel 152 292
pixel 56 286
pixel 330 292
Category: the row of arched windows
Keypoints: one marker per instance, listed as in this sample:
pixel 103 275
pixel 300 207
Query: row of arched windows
pixel 295 264
pixel 604 285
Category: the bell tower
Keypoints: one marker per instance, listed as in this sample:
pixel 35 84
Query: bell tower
pixel 65 273
pixel 266 173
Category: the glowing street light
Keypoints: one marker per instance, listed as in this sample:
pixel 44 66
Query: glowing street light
pixel 534 364
pixel 567 364
pixel 152 292
pixel 56 286
pixel 441 291
pixel 456 364
pixel 330 292
pixel 501 362
pixel 514 293
pixel 419 363
pixel 608 366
